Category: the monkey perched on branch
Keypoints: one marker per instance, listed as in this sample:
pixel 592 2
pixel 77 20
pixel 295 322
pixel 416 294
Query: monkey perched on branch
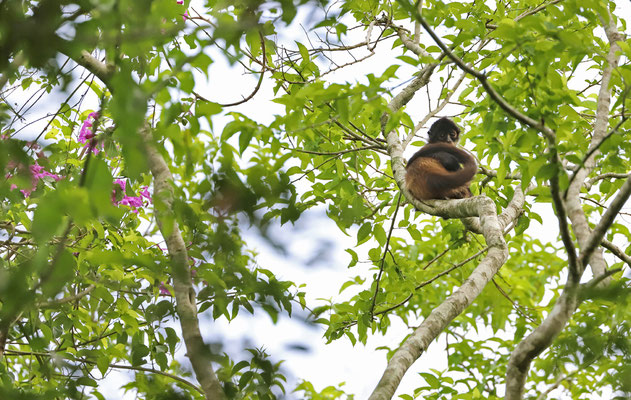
pixel 440 169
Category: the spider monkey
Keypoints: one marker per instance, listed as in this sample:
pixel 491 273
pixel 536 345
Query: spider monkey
pixel 440 169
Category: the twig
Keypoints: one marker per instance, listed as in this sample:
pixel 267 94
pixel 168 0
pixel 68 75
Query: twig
pixel 383 258
pixel 258 84
pixel 482 78
pixel 616 251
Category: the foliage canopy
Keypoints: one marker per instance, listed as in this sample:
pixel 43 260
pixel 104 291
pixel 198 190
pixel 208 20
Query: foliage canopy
pixel 129 181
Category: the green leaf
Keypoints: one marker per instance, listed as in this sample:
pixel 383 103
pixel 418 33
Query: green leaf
pixel 363 232
pixel 103 364
pixel 207 108
pixel 61 271
pixel 48 218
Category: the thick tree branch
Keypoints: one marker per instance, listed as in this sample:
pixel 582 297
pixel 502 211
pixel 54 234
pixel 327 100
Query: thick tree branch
pixel 575 210
pixel 597 235
pixel 479 206
pixel 542 337
pixel 409 44
pixel 576 269
pixel 441 316
pixel 196 350
pixel 539 340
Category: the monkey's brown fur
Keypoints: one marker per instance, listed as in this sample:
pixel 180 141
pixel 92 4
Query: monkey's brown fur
pixel 441 170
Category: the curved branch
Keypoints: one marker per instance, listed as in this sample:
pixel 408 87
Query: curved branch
pixel 541 338
pixel 575 210
pixel 68 299
pixel 616 251
pixel 441 316
pixel 413 46
pixel 258 84
pixel 480 206
pixel 482 78
pixel 599 231
pixel 607 175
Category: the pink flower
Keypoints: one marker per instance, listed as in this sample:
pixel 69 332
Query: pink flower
pixel 86 132
pixel 163 290
pixel 180 2
pixel 121 183
pixel 131 201
pixel 37 172
pixel 185 16
pixel 134 202
pixel 145 193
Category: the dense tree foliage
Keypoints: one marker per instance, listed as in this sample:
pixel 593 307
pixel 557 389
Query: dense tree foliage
pixel 128 182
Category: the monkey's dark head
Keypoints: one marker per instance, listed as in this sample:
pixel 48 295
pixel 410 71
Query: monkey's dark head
pixel 444 131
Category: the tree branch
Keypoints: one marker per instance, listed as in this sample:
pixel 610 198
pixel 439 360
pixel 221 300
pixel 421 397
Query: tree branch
pixel 542 337
pixel 482 78
pixel 616 251
pixel 597 235
pixel 480 206
pixel 576 214
pixel 258 84
pixel 196 350
pixel 68 299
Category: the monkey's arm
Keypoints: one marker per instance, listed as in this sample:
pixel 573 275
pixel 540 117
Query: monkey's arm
pixel 448 160
pixel 450 156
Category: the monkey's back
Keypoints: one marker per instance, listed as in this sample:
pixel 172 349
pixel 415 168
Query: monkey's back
pixel 426 178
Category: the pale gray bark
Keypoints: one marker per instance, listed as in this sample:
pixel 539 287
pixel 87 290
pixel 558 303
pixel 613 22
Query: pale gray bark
pixel 573 203
pixel 541 338
pixel 489 225
pixel 441 316
pixel 196 350
pixel 186 308
pixel 565 306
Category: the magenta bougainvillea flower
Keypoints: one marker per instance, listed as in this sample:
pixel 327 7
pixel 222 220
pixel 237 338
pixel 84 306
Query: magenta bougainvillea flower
pixel 37 172
pixel 86 133
pixel 164 291
pixel 145 193
pixel 121 183
pixel 135 202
